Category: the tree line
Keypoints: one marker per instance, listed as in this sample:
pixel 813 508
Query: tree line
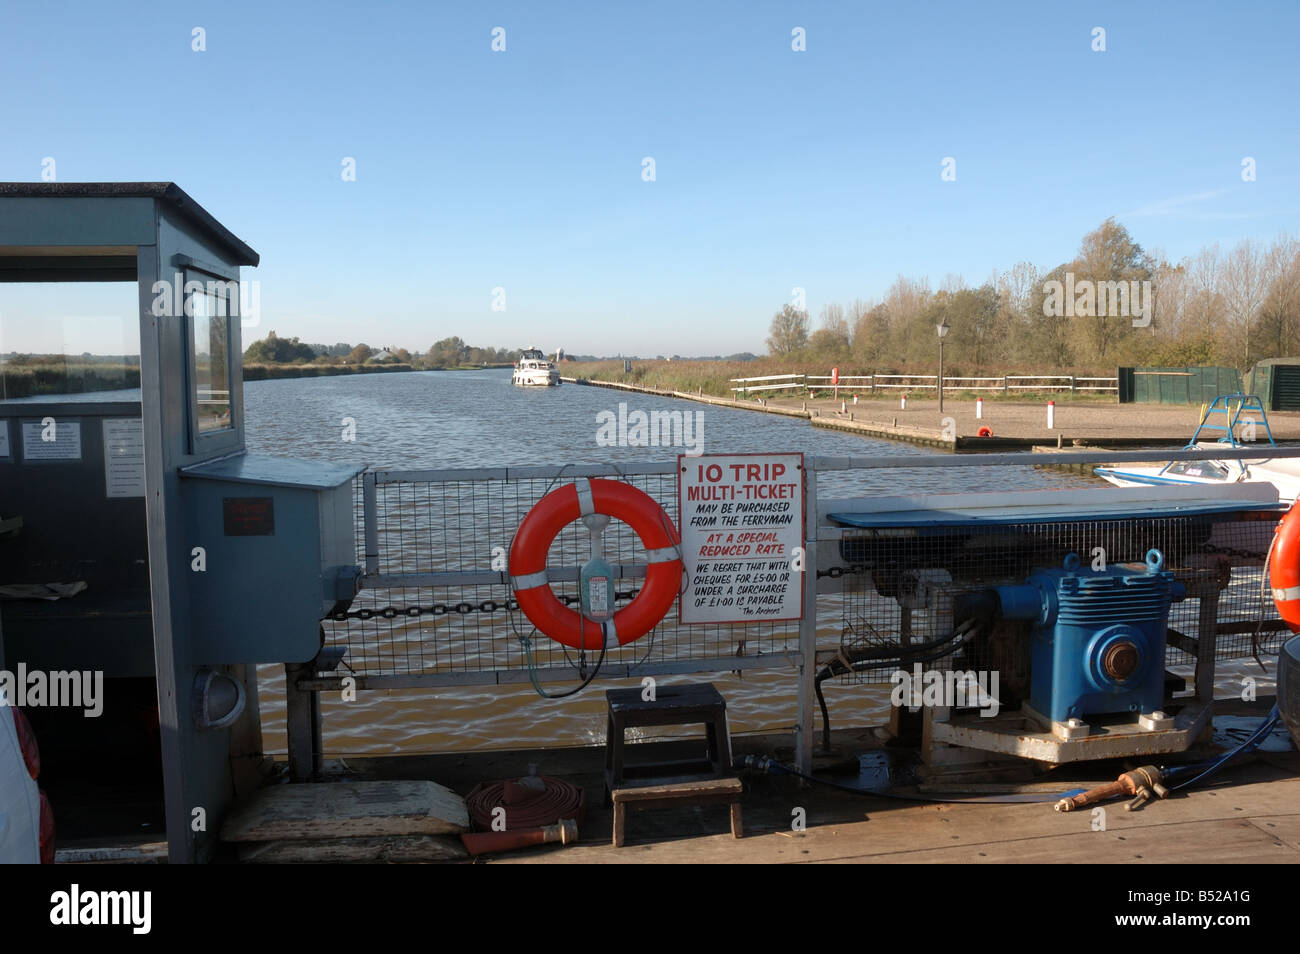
pixel 447 353
pixel 1229 308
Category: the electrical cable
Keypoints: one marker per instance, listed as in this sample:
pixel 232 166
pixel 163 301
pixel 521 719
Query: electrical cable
pixel 1252 742
pixel 883 656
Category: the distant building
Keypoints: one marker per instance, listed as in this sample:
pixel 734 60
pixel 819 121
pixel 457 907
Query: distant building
pixel 384 355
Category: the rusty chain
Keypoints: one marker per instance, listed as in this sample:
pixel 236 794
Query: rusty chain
pixel 463 608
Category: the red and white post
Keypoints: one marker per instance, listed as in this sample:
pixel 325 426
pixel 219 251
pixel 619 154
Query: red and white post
pixel 1051 415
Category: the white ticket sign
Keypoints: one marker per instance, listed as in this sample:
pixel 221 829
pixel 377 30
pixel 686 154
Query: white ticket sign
pixel 4 437
pixel 51 439
pixel 123 457
pixel 742 526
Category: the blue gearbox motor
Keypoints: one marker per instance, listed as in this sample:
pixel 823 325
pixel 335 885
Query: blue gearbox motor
pixel 1098 636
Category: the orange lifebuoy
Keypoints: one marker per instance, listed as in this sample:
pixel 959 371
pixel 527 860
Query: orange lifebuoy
pixel 556 511
pixel 985 431
pixel 1284 568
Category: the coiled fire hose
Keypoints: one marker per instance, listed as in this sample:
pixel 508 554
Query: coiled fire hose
pixel 517 813
pixel 529 802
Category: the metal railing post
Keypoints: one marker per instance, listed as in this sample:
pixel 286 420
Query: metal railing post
pixel 370 511
pixel 804 732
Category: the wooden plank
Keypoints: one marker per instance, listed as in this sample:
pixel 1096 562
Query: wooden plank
pixel 144 853
pixel 737 826
pixel 1234 841
pixel 399 848
pixel 1285 828
pixel 689 789
pixel 347 810
pixel 620 824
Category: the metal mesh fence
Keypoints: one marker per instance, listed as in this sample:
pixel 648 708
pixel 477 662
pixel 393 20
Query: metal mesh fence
pixel 900 584
pixel 425 527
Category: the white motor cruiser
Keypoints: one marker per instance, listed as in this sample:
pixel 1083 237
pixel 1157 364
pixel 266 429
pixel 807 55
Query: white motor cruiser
pixel 533 370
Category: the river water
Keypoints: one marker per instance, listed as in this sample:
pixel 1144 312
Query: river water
pixel 454 419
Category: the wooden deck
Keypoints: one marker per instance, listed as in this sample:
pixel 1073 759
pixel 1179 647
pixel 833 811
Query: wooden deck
pixel 1251 815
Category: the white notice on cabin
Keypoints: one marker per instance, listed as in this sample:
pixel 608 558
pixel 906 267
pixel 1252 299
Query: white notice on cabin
pixel 742 526
pixel 51 439
pixel 4 437
pixel 123 457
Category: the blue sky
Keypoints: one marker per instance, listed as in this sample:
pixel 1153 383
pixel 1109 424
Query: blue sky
pixel 774 168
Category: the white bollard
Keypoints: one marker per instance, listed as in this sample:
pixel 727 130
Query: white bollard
pixel 979 408
pixel 1051 415
pixel 855 399
pixel 843 408
pixel 903 406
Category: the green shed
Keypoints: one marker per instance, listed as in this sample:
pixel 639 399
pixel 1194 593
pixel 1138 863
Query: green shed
pixel 1190 385
pixel 1277 382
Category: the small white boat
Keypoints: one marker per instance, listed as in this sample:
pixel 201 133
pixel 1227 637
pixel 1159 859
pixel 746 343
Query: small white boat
pixel 1282 473
pixel 533 370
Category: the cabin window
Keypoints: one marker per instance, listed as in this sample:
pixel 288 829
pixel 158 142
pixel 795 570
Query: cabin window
pixel 209 312
pixel 211 363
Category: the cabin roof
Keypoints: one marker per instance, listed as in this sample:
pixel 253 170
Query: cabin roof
pixel 168 192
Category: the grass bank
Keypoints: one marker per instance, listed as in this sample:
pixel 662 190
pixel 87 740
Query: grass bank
pixel 26 380
pixel 268 372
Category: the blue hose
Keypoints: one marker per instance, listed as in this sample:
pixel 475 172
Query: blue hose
pixel 1210 766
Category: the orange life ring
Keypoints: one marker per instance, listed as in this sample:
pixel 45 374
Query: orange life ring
pixel 556 511
pixel 1284 568
pixel 985 431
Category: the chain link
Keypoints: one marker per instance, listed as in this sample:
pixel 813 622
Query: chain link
pixel 835 572
pixel 463 608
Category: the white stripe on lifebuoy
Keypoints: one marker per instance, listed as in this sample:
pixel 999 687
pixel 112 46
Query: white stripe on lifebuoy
pixel 611 634
pixel 586 505
pixel 1290 593
pixel 663 554
pixel 529 581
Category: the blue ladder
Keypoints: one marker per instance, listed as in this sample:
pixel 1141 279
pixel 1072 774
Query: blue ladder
pixel 1231 406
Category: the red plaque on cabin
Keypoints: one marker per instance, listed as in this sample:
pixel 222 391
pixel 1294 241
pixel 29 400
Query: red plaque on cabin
pixel 248 516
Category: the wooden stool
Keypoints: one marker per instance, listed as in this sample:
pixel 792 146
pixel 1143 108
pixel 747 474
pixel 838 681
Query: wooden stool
pixel 655 784
pixel 657 796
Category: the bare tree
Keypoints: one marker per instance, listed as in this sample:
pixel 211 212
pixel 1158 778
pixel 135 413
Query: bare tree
pixel 1109 255
pixel 1245 287
pixel 834 322
pixel 1279 323
pixel 788 331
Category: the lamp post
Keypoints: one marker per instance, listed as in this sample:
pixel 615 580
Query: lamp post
pixel 942 328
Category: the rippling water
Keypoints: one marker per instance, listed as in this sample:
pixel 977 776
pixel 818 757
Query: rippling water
pixel 477 419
